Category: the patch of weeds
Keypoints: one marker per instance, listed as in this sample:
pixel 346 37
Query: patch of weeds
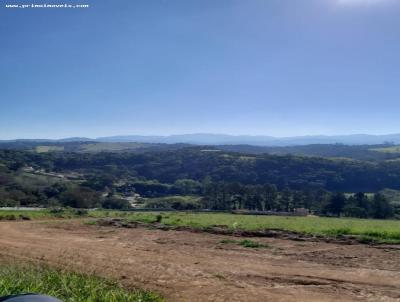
pixel 90 222
pixel 219 276
pixel 24 217
pixel 252 244
pixel 366 239
pixel 195 225
pixel 159 218
pixel 151 227
pixel 81 212
pixel 8 217
pixel 245 243
pixel 67 286
pixel 145 218
pixel 228 241
pixel 338 232
pixel 56 211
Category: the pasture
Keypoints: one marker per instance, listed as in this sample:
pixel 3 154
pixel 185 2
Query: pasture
pixel 379 230
pixel 384 231
pixel 391 150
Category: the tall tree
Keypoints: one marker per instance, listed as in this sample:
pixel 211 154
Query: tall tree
pixel 286 199
pixel 335 204
pixel 380 207
pixel 270 197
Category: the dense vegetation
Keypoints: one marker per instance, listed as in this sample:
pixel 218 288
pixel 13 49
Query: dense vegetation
pixel 220 196
pixel 358 152
pixel 67 286
pixel 381 152
pixel 223 180
pixel 56 213
pixel 192 163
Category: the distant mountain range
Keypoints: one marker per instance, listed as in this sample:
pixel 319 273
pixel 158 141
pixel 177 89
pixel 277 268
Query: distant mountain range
pixel 259 140
pixel 255 140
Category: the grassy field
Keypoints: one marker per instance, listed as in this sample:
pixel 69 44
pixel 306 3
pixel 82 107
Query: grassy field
pixel 391 150
pixel 380 230
pixel 22 214
pixel 45 149
pixel 111 147
pixel 369 229
pixel 57 213
pixel 67 286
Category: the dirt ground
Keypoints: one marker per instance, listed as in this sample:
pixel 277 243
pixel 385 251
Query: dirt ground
pixel 186 266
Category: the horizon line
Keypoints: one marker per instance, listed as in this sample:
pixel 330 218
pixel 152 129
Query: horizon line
pixel 200 133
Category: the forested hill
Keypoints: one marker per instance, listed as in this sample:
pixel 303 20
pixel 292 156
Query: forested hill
pixel 295 172
pixel 359 152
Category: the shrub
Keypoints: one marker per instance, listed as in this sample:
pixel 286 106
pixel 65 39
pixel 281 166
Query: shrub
pixel 159 218
pixel 252 244
pixel 80 197
pixel 180 203
pixel 81 212
pixel 116 203
pixel 57 210
pixel 24 217
pixel 10 217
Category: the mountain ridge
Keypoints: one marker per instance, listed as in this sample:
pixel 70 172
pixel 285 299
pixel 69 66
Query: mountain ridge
pixel 226 139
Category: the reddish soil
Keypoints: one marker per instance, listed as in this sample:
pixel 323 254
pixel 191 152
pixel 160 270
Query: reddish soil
pixel 187 266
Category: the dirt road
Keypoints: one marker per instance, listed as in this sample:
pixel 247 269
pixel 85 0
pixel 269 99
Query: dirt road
pixel 185 266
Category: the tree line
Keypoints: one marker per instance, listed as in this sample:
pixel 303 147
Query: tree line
pixel 234 196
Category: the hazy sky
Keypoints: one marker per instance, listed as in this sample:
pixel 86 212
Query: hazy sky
pixel 273 67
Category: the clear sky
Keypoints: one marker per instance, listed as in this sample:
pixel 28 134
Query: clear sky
pixel 273 67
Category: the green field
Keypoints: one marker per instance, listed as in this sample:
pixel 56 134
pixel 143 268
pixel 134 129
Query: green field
pixel 391 150
pixel 66 213
pixel 20 214
pixel 111 147
pixel 369 229
pixel 67 286
pixel 380 230
pixel 45 149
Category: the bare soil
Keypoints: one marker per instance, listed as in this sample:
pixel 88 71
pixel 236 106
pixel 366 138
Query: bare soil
pixel 187 266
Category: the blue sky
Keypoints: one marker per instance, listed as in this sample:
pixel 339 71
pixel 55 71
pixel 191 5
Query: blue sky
pixel 273 67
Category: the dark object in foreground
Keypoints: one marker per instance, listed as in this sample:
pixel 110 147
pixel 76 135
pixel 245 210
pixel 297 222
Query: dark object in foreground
pixel 28 298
